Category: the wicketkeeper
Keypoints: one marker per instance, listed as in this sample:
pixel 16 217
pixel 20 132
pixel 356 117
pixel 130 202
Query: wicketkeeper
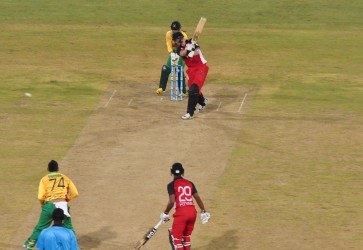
pixel 181 193
pixel 173 58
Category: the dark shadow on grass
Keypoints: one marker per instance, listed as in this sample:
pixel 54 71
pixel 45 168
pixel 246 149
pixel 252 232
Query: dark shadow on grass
pixel 95 239
pixel 229 240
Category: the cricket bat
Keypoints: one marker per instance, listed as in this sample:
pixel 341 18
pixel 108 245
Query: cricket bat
pixel 147 236
pixel 199 29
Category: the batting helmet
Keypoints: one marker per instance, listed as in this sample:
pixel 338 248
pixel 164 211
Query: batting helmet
pixel 175 25
pixel 177 169
pixel 177 35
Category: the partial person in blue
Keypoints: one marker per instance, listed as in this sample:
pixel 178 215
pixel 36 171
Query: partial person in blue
pixel 57 237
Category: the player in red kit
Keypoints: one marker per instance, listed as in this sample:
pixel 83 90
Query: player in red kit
pixel 197 72
pixel 181 193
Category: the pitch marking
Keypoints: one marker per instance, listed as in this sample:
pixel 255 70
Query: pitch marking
pixel 243 101
pixel 110 98
pixel 129 103
pixel 220 103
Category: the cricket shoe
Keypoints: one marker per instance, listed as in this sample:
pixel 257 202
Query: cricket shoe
pixel 25 245
pixel 187 116
pixel 200 108
pixel 159 91
pixel 29 244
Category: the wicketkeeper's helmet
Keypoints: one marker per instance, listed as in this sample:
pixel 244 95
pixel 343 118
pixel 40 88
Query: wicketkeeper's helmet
pixel 175 25
pixel 177 169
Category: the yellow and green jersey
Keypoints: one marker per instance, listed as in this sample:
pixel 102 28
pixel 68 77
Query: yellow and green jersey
pixel 56 186
pixel 170 45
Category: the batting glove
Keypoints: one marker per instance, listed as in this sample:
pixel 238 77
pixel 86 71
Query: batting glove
pixel 191 54
pixel 204 216
pixel 189 46
pixel 164 217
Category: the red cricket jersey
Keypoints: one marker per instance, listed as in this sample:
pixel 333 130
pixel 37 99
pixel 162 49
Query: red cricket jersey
pixel 194 61
pixel 197 68
pixel 183 191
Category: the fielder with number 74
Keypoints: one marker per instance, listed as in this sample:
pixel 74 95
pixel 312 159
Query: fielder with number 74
pixel 55 191
pixel 181 194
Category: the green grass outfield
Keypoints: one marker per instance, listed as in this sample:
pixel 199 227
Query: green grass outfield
pixel 295 177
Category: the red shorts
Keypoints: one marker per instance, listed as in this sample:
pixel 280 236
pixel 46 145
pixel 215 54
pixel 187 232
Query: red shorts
pixel 184 220
pixel 197 75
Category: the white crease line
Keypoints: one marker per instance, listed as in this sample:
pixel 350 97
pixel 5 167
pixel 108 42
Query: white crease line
pixel 243 101
pixel 129 102
pixel 110 98
pixel 226 111
pixel 220 103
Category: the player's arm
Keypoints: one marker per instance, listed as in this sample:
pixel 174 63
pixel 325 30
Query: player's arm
pixel 72 191
pixel 204 215
pixel 169 42
pixel 170 204
pixel 181 52
pixel 199 201
pixel 41 192
pixel 165 215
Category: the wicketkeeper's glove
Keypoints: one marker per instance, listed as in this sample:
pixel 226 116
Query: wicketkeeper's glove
pixel 204 216
pixel 174 58
pixel 164 217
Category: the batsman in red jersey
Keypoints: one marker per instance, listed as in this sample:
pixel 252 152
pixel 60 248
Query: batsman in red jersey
pixel 197 72
pixel 181 193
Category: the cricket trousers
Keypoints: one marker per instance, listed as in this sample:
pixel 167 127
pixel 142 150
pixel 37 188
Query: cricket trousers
pixel 45 220
pixel 183 225
pixel 197 76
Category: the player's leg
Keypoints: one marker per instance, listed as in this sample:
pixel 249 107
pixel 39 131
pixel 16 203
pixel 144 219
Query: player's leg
pixel 186 241
pixel 193 96
pixel 68 222
pixel 199 80
pixel 202 101
pixel 164 76
pixel 177 231
pixel 45 220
